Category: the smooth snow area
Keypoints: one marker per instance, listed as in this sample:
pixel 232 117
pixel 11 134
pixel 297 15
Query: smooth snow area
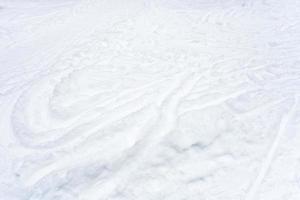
pixel 149 100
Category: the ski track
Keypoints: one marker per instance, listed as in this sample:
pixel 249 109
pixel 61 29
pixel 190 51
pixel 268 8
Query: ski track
pixel 170 99
pixel 270 155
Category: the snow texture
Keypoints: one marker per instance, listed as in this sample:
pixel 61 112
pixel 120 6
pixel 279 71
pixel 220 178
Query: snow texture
pixel 149 100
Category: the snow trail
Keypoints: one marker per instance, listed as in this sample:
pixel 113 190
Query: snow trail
pixel 168 99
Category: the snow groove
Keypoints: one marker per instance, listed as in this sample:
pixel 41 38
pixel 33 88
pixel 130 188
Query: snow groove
pixel 167 100
pixel 267 163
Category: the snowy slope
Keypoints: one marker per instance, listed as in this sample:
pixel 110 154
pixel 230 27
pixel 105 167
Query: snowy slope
pixel 149 100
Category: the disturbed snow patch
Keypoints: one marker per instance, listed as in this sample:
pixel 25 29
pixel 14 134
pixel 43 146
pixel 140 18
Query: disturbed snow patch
pixel 149 100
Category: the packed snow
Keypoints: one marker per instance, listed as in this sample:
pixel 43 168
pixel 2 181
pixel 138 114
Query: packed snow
pixel 149 99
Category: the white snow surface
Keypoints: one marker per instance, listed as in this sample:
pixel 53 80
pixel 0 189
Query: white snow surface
pixel 149 100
